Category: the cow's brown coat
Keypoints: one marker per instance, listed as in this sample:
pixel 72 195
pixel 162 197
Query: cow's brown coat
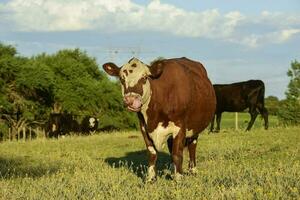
pixel 181 94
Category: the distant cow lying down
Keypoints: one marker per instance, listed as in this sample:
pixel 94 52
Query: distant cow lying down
pixel 61 124
pixel 89 125
pixel 172 97
pixel 237 97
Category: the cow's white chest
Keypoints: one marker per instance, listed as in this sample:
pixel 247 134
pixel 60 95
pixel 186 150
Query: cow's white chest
pixel 160 135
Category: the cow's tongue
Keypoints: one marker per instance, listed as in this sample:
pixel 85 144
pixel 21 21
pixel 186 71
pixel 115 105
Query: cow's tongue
pixel 136 104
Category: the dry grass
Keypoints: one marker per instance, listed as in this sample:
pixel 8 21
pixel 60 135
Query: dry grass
pixel 232 165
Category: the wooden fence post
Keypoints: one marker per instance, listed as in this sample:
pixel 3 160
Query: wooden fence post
pixel 9 134
pixel 24 133
pixel 18 130
pixel 30 137
pixel 37 132
pixel 236 121
pixel 44 133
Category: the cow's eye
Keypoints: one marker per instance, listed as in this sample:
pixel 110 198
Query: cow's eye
pixel 144 78
pixel 122 80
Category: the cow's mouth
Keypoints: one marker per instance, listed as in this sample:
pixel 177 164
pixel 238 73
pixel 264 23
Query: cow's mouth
pixel 135 106
pixel 133 103
pixel 133 109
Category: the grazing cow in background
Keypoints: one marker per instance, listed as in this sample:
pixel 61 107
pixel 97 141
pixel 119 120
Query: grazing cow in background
pixel 236 97
pixel 89 125
pixel 174 101
pixel 61 124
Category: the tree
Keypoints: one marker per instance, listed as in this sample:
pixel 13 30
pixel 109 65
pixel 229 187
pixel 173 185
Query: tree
pixel 68 81
pixel 11 102
pixel 289 112
pixel 272 103
pixel 8 70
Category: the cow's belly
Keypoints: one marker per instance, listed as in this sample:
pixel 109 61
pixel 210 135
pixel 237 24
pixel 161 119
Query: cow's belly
pixel 198 120
pixel 160 134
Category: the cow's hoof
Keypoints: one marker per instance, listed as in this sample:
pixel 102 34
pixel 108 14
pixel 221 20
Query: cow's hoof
pixel 150 179
pixel 193 171
pixel 177 177
pixel 151 175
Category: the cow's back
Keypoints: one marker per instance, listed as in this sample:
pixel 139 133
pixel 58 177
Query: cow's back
pixel 183 93
pixel 235 97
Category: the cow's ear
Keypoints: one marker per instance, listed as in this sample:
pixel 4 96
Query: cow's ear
pixel 111 69
pixel 156 69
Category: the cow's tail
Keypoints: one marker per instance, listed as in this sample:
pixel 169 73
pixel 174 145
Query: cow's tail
pixel 261 95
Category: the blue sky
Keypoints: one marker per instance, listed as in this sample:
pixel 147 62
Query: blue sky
pixel 236 40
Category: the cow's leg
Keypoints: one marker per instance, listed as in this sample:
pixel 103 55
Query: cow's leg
pixel 219 116
pixel 56 134
pixel 253 112
pixel 264 113
pixel 177 153
pixel 151 173
pixel 170 144
pixel 212 124
pixel 266 116
pixel 192 144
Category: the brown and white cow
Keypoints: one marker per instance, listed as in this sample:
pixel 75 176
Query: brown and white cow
pixel 172 97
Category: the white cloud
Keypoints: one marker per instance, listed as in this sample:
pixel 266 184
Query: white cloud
pixel 57 15
pixel 286 34
pixel 276 37
pixel 125 15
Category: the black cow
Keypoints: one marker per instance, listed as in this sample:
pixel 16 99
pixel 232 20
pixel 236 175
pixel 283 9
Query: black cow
pixel 236 97
pixel 61 124
pixel 89 125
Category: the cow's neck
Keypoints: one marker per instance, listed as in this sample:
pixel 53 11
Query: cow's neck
pixel 146 99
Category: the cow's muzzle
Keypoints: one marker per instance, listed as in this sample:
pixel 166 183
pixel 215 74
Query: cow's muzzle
pixel 133 102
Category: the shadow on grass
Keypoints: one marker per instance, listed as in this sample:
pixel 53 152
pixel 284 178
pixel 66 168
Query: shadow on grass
pixel 21 168
pixel 137 162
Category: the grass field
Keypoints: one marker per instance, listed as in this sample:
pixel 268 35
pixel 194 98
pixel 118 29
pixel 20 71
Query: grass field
pixel 231 165
pixel 228 121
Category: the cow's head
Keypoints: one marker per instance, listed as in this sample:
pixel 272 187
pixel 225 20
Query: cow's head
pixel 134 77
pixel 92 122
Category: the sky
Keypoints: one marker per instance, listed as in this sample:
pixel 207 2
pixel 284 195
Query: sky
pixel 236 40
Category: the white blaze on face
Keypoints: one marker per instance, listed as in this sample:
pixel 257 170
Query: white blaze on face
pixel 92 122
pixel 133 71
pixel 160 135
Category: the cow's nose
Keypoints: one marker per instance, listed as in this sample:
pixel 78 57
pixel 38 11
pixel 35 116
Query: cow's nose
pixel 133 102
pixel 128 100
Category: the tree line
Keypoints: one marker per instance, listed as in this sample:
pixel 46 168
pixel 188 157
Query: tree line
pixel 70 81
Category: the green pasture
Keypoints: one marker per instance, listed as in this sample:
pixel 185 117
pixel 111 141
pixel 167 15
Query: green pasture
pixel 228 121
pixel 231 165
